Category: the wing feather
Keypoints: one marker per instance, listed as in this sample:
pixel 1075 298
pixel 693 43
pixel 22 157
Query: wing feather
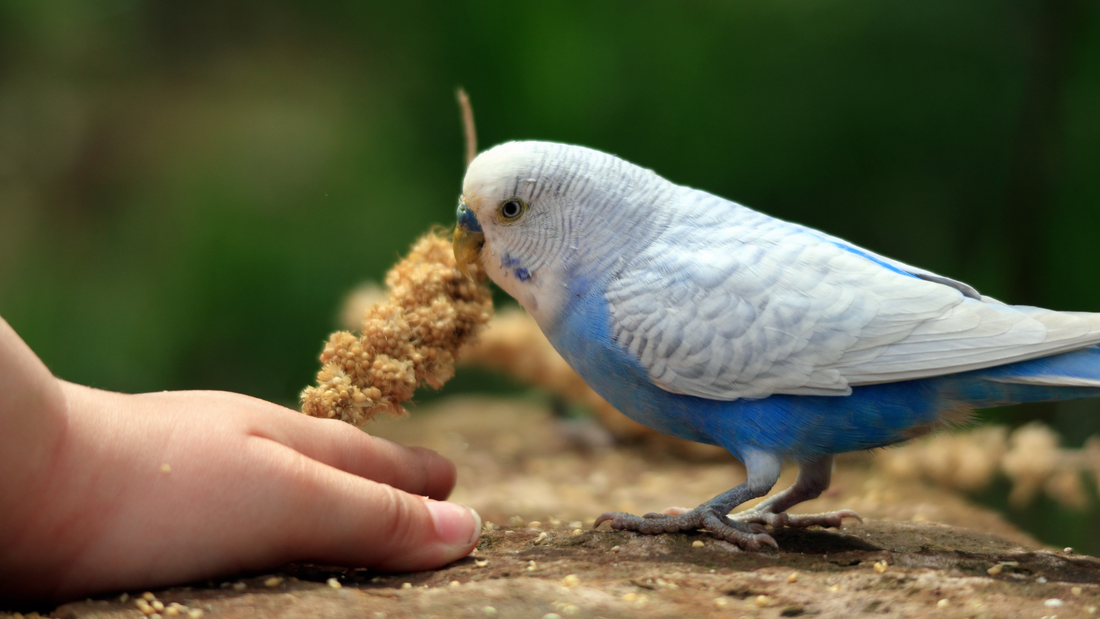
pixel 729 303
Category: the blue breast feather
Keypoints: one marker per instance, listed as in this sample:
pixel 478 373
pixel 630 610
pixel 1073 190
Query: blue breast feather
pixel 800 427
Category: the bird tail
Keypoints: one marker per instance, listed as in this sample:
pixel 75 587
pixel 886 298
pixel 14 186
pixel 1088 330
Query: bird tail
pixel 1065 376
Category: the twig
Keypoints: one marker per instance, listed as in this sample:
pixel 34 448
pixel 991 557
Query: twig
pixel 467 124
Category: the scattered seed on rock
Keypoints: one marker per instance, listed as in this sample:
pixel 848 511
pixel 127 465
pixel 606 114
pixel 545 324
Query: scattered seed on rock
pixel 516 522
pixel 630 597
pixel 1076 590
pixel 542 536
pixel 880 567
pixel 273 582
pixel 577 531
pixel 454 583
pixel 335 584
pixel 571 580
pixel 406 585
pixel 614 549
pixel 996 569
pixel 1068 550
pixel 489 610
pixel 531 566
pixel 792 577
pixel 481 562
pixel 721 602
pixel 1054 603
pixel 148 597
pixel 943 603
pixel 697 544
pixel 534 524
pixel 762 600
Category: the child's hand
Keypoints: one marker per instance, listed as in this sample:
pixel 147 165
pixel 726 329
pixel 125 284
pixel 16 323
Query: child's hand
pixel 101 491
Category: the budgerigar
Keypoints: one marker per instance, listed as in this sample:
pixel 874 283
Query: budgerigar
pixel 711 322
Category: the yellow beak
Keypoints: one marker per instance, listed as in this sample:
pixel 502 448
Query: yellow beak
pixel 467 243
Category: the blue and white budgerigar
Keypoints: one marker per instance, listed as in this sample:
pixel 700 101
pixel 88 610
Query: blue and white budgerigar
pixel 711 322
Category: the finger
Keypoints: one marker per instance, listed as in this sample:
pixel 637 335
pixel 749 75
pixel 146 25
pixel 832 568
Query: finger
pixel 413 469
pixel 344 519
pixel 335 443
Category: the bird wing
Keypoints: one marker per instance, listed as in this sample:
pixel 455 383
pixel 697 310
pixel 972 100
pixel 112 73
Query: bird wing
pixel 729 303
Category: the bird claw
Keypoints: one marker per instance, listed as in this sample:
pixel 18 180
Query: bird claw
pixel 749 536
pixel 794 521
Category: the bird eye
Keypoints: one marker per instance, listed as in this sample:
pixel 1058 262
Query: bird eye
pixel 511 210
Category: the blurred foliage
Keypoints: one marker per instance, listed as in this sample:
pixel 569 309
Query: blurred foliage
pixel 187 189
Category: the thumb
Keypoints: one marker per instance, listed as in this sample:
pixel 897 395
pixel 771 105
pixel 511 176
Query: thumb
pixel 370 524
pixel 455 531
pixel 417 533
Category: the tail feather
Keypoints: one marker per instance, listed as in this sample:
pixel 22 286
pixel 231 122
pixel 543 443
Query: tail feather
pixel 1065 376
pixel 1050 381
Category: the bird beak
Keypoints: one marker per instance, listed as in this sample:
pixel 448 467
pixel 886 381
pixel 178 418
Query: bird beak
pixel 467 242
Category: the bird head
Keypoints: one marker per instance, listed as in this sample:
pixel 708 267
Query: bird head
pixel 538 215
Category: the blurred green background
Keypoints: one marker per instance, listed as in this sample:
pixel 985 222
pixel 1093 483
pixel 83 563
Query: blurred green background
pixel 188 189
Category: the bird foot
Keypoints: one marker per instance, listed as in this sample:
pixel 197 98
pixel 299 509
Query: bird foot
pixel 794 521
pixel 747 535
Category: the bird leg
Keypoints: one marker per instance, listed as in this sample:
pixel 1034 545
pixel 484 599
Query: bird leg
pixel 763 472
pixel 813 479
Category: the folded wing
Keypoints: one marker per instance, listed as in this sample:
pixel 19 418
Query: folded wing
pixel 730 303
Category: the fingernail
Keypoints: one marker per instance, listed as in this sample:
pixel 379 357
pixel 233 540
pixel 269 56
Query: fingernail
pixel 452 523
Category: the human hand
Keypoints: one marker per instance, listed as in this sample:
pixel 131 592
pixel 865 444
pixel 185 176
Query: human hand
pixel 102 491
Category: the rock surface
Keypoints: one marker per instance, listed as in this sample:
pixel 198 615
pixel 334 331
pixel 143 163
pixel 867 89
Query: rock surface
pixel 920 552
